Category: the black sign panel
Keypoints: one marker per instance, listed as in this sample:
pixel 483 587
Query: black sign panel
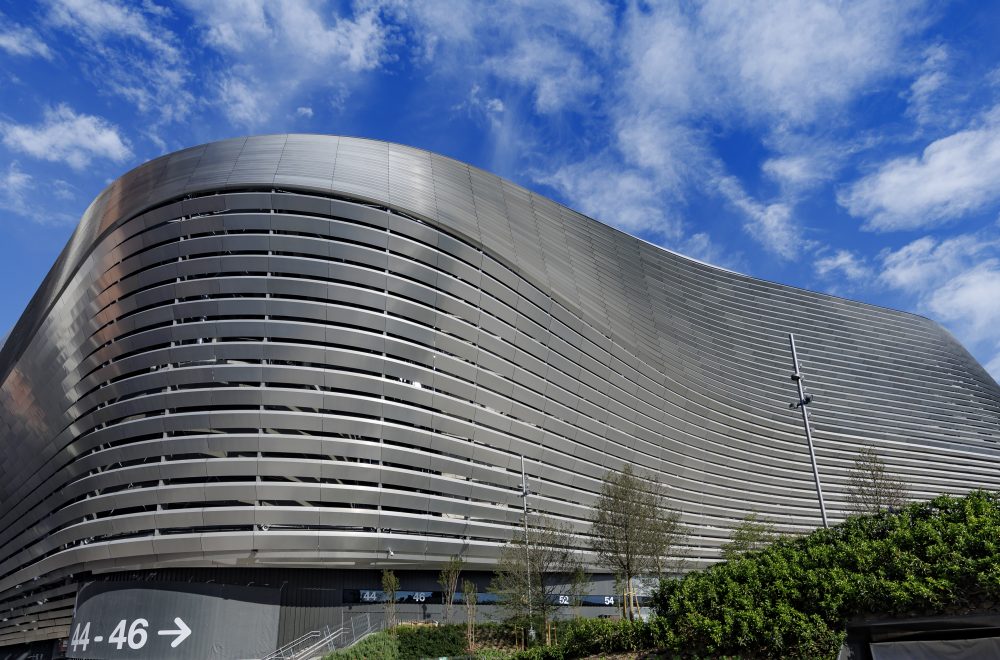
pixel 173 621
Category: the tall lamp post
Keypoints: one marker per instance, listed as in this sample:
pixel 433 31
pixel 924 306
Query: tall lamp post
pixel 801 404
pixel 527 547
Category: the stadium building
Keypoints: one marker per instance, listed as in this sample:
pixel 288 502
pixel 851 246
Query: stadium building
pixel 264 369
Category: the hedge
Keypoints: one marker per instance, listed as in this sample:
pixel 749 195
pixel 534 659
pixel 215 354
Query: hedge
pixel 794 598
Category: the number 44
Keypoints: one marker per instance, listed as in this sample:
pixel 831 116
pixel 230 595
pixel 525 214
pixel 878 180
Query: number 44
pixel 80 638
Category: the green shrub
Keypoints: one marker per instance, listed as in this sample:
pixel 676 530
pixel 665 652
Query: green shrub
pixel 794 598
pixel 430 642
pixel 539 653
pixel 380 646
pixel 585 637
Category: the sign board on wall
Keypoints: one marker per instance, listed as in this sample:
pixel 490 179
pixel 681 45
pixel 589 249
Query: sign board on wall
pixel 173 621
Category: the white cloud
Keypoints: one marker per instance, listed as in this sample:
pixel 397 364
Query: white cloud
pixel 796 171
pixel 100 19
pixel 782 66
pixel 701 247
pixel 131 53
pixel 545 48
pixel 275 50
pixel 927 262
pixel 625 198
pixel 797 59
pixel 244 101
pixel 954 176
pixel 14 187
pixel 18 40
pixel 955 280
pixel 65 136
pixel 63 190
pixel 304 111
pixel 933 77
pixel 477 106
pixel 786 68
pixel 772 225
pixel 971 299
pixel 559 76
pixel 20 194
pixel 845 264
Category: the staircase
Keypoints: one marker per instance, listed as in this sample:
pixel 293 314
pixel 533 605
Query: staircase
pixel 317 643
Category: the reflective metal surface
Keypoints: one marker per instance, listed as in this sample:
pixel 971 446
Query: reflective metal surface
pixel 305 350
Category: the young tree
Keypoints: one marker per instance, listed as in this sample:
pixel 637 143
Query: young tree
pixel 471 598
pixel 448 579
pixel 390 585
pixel 633 532
pixel 579 586
pixel 530 577
pixel 871 488
pixel 750 535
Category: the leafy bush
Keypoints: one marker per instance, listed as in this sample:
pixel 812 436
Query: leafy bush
pixel 430 642
pixel 586 637
pixel 794 598
pixel 540 653
pixel 380 646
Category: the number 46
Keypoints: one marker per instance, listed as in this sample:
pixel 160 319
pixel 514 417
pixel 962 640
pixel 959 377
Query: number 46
pixel 137 634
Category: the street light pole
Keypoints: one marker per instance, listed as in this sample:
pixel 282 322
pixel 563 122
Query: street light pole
pixel 804 401
pixel 527 547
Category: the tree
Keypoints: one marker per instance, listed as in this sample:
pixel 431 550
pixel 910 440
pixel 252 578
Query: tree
pixel 530 577
pixel 390 585
pixel 871 488
pixel 471 597
pixel 579 586
pixel 448 579
pixel 633 531
pixel 751 535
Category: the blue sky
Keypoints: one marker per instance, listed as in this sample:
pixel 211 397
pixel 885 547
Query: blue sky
pixel 848 147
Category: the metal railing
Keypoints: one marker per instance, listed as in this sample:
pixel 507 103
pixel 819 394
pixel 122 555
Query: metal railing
pixel 316 643
pixel 292 648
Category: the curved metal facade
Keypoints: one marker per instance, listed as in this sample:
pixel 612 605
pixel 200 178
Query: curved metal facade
pixel 306 350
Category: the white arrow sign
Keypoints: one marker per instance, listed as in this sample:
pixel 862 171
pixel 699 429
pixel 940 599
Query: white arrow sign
pixel 182 632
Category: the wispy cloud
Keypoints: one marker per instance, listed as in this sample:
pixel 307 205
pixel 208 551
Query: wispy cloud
pixel 131 53
pixel 924 264
pixel 273 51
pixel 629 199
pixel 798 60
pixel 25 42
pixel 20 194
pixel 68 137
pixel 952 177
pixel 843 265
pixel 772 225
pixel 545 48
pixel 923 92
pixel 957 281
pixel 972 300
pixel 14 187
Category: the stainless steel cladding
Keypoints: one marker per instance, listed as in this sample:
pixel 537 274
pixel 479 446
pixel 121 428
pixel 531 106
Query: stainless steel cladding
pixel 317 351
